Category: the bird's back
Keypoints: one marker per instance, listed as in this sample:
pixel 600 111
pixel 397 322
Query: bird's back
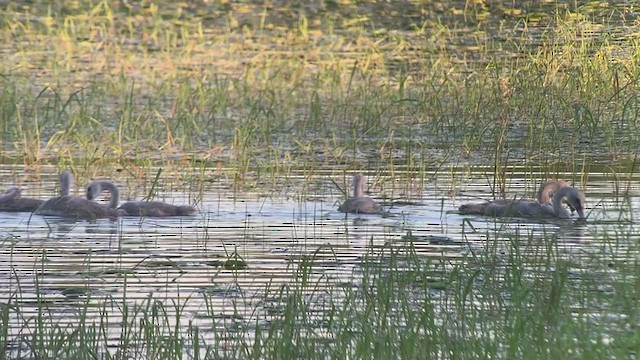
pixel 20 204
pixel 360 205
pixel 156 209
pixel 485 208
pixel 75 207
pixel 525 209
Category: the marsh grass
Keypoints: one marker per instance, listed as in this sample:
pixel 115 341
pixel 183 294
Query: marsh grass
pixel 145 83
pixel 523 295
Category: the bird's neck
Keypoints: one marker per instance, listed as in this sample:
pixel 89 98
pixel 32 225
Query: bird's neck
pixel 113 191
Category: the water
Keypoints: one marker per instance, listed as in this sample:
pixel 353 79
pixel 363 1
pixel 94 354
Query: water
pixel 65 263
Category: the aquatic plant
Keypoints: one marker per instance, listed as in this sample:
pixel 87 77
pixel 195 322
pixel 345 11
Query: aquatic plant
pixel 517 296
pixel 120 84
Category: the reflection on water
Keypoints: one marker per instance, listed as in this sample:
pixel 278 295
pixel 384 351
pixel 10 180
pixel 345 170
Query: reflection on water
pixel 65 263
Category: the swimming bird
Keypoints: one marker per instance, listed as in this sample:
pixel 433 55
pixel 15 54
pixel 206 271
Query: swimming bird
pixel 136 208
pixel 10 193
pixel 532 209
pixel 76 207
pixel 12 201
pixel 545 194
pixel 359 203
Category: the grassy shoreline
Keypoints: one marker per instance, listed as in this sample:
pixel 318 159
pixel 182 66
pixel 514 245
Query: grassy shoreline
pixel 122 86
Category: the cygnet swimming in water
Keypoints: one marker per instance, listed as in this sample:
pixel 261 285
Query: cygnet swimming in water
pixel 545 194
pixel 12 201
pixel 75 207
pixel 359 203
pixel 136 208
pixel 532 209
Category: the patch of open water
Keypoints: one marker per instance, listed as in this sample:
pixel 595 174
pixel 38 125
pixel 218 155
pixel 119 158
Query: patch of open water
pixel 65 263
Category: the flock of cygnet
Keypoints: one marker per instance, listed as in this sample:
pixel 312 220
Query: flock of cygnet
pixel 551 195
pixel 77 207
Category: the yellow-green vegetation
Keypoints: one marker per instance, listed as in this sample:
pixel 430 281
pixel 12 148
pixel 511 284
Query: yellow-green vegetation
pixel 275 85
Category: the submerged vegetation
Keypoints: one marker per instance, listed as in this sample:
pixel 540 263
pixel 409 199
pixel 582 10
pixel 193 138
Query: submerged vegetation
pixel 271 88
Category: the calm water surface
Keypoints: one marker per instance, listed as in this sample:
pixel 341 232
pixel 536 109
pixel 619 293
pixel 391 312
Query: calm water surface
pixel 65 262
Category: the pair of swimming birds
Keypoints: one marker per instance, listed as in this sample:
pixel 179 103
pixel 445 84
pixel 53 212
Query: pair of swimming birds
pixel 551 195
pixel 77 207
